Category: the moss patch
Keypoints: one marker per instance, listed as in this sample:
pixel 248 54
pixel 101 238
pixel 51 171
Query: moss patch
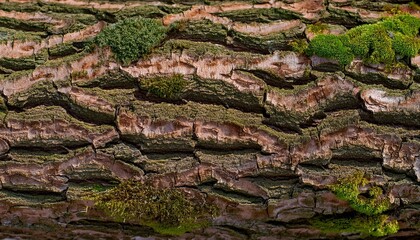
pixel 167 211
pixel 132 38
pixel 331 47
pixel 376 226
pixel 386 42
pixel 165 87
pixel 348 189
pixel 299 45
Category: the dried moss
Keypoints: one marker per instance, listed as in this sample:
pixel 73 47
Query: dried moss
pixel 167 211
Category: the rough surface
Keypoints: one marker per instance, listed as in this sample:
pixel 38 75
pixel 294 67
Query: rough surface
pixel 257 129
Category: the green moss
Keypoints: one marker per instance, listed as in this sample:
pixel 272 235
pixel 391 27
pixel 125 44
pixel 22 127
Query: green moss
pixel 167 211
pixel 348 189
pixel 165 87
pixel 331 47
pixel 405 45
pixel 384 42
pixel 376 226
pixel 132 38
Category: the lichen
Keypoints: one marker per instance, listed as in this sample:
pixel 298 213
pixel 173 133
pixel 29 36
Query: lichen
pixel 167 211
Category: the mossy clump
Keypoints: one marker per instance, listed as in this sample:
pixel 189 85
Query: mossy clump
pixel 387 41
pixel 299 45
pixel 318 27
pixel 348 189
pixel 376 226
pixel 132 38
pixel 167 211
pixel 169 87
pixel 331 47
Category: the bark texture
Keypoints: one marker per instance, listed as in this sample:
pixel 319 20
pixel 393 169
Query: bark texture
pixel 259 130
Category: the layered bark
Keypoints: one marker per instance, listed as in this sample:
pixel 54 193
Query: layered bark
pixel 258 130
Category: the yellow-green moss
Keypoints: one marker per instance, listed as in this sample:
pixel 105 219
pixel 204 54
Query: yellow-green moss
pixel 348 189
pixel 167 211
pixel 317 27
pixel 376 226
pixel 384 42
pixel 299 45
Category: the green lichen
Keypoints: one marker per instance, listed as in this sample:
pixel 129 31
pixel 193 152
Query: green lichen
pixel 386 42
pixel 167 211
pixel 376 226
pixel 165 87
pixel 132 38
pixel 348 189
